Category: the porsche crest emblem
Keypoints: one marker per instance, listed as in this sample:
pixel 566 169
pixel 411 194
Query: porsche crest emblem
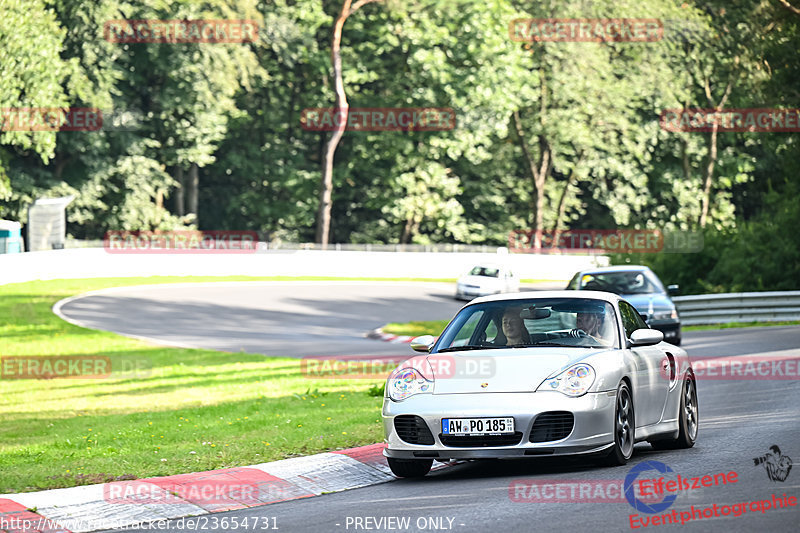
pixel 484 385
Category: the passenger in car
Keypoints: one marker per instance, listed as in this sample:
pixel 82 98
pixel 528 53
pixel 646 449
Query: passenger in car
pixel 514 328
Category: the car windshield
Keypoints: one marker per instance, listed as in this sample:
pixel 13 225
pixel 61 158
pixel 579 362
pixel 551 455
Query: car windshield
pixel 623 282
pixel 488 272
pixel 569 322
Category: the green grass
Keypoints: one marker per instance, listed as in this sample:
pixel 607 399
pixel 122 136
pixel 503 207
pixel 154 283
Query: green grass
pixel 193 410
pixel 741 325
pixel 416 328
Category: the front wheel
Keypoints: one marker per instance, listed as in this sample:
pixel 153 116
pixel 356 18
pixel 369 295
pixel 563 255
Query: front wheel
pixel 409 467
pixel 624 427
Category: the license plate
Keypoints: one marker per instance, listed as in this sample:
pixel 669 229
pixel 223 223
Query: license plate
pixel 477 426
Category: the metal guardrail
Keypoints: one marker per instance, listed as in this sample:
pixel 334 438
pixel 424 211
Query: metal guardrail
pixel 738 307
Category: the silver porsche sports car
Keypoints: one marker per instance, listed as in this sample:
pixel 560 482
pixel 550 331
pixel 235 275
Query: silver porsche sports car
pixel 539 374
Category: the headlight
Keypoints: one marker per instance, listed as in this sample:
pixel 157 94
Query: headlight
pixel 664 315
pixel 406 382
pixel 574 381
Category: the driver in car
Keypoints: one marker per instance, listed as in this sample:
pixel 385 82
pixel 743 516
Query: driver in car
pixel 588 325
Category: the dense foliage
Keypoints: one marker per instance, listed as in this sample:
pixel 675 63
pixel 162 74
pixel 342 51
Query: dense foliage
pixel 548 135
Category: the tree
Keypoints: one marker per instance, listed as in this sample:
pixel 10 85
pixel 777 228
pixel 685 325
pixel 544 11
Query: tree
pixel 326 187
pixel 28 29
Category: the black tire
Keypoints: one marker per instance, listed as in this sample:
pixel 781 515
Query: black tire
pixel 410 467
pixel 688 420
pixel 624 428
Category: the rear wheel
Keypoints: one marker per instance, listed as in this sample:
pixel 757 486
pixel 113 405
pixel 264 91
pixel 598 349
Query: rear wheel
pixel 624 427
pixel 688 420
pixel 410 467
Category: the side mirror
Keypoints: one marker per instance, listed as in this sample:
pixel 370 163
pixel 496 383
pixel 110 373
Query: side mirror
pixel 673 290
pixel 646 337
pixel 423 343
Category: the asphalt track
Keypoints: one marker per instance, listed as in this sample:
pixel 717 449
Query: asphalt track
pixel 289 319
pixel 739 419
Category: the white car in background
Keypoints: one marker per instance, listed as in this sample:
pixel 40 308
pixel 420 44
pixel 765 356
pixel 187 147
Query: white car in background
pixel 486 279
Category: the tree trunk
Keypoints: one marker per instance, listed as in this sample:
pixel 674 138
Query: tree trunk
pixel 194 182
pixel 712 148
pixel 179 193
pixel 790 7
pixel 159 206
pixel 326 184
pixel 709 177
pixel 562 207
pixel 407 229
pixel 60 164
pixel 687 168
pixel 538 177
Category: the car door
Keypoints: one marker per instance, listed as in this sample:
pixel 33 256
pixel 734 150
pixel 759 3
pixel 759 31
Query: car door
pixel 650 389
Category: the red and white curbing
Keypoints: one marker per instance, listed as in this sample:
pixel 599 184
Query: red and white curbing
pixel 105 506
pixel 379 334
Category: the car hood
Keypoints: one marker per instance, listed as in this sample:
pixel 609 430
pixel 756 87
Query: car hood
pixel 502 370
pixel 645 303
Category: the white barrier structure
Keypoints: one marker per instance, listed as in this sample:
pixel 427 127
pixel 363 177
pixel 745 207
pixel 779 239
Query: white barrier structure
pixel 97 262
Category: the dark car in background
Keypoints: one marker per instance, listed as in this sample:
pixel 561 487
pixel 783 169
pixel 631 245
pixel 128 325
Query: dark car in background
pixel 642 288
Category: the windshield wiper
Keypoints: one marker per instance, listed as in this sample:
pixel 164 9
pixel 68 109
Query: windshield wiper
pixel 548 343
pixel 468 347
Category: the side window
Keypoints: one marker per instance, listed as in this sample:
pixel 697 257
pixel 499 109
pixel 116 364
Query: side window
pixel 640 323
pixel 629 316
pixel 631 320
pixel 491 331
pixel 573 283
pixel 465 333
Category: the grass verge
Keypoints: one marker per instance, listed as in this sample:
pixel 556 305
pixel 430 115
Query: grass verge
pixel 741 325
pixel 416 328
pixel 189 410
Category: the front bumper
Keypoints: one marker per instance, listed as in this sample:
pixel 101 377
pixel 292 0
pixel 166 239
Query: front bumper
pixel 469 292
pixel 592 430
